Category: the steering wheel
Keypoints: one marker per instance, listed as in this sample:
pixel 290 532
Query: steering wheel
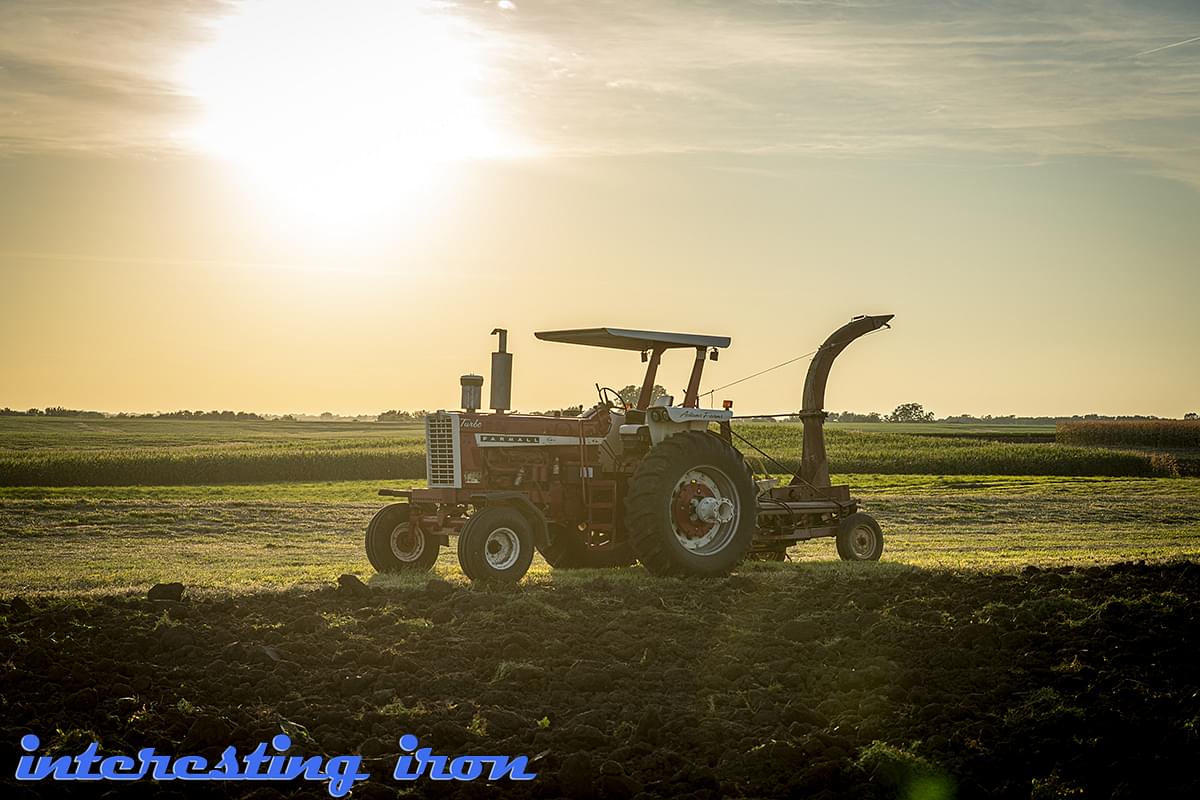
pixel 604 399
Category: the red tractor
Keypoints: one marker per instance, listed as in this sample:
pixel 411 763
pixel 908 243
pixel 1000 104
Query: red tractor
pixel 651 481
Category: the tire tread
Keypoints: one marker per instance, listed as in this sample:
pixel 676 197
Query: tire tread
pixel 646 487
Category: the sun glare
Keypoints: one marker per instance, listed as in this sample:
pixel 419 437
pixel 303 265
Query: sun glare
pixel 343 114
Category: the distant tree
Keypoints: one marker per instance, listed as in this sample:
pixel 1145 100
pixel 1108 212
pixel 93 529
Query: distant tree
pixel 631 394
pixel 326 415
pixel 853 416
pixel 395 416
pixel 59 411
pixel 1191 415
pixel 569 411
pixel 910 412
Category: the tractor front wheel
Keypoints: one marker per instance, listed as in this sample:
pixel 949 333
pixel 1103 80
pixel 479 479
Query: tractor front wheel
pixel 394 545
pixel 691 507
pixel 859 538
pixel 496 544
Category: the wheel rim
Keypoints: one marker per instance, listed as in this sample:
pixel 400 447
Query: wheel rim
pixel 704 510
pixel 502 548
pixel 862 541
pixel 407 544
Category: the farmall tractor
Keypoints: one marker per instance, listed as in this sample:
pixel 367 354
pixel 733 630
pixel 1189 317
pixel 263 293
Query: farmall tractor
pixel 653 482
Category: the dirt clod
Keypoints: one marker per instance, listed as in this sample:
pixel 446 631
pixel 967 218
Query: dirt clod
pixel 800 630
pixel 83 700
pixel 172 592
pixel 438 588
pixel 206 731
pixel 576 775
pixel 649 727
pixel 351 585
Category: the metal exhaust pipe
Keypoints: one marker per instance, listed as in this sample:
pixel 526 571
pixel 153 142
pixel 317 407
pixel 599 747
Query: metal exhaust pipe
pixel 501 375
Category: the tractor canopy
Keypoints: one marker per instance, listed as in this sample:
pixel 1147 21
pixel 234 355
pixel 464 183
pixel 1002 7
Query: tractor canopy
pixel 652 344
pixel 626 339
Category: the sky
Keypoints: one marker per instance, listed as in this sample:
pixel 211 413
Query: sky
pixel 309 206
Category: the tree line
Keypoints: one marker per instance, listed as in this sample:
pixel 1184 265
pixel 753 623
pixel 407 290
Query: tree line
pixel 59 411
pixel 905 412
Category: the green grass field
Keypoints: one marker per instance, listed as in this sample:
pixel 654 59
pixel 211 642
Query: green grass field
pixel 102 540
pixel 65 452
pixel 58 433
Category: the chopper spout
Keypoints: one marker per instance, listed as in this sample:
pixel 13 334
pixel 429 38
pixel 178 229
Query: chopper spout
pixel 814 464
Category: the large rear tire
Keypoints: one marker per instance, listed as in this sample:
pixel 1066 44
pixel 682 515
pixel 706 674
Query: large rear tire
pixel 393 545
pixel 496 544
pixel 859 538
pixel 568 548
pixel 691 507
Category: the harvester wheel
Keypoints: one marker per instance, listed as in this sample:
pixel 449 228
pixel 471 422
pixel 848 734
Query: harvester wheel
pixel 568 549
pixel 393 545
pixel 859 538
pixel 496 544
pixel 691 507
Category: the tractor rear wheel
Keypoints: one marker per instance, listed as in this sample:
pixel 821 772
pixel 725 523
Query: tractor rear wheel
pixel 859 538
pixel 496 544
pixel 691 506
pixel 569 549
pixel 393 545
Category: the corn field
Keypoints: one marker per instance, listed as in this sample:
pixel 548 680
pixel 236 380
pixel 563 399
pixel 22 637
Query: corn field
pixel 344 456
pixel 1169 433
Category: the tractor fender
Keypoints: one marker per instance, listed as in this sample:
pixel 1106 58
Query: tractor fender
pixel 683 414
pixel 522 503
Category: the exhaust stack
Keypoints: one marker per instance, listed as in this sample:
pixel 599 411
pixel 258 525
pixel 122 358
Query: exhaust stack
pixel 501 375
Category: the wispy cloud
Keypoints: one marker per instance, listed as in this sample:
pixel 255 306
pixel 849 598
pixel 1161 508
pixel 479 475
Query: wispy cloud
pixel 976 81
pixel 94 75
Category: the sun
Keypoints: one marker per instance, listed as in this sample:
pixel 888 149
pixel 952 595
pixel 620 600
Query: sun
pixel 343 114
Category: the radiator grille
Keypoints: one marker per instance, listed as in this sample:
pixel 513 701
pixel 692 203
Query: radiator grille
pixel 441 451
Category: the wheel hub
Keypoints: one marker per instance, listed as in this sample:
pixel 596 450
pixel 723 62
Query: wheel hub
pixel 714 509
pixel 407 543
pixel 862 542
pixel 685 511
pixel 704 513
pixel 502 548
